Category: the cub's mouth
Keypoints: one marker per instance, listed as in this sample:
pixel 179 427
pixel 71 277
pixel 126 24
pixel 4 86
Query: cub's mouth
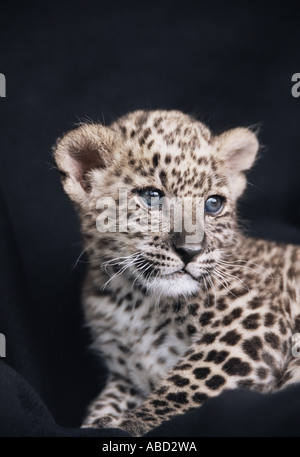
pixel 179 283
pixel 176 274
pixel 182 280
pixel 184 272
pixel 186 281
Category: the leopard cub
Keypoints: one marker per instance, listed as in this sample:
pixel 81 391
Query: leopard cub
pixel 178 319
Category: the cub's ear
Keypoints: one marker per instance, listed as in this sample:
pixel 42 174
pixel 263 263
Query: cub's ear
pixel 239 148
pixel 78 153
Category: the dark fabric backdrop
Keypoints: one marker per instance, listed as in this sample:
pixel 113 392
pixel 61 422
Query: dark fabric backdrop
pixel 228 63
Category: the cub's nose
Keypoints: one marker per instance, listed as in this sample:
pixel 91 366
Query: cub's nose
pixel 187 252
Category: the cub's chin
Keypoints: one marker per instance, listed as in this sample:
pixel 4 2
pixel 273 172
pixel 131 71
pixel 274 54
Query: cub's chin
pixel 174 285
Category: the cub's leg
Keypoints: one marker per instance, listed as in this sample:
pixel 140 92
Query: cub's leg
pixel 117 397
pixel 205 371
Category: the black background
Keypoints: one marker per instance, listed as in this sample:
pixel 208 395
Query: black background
pixel 228 63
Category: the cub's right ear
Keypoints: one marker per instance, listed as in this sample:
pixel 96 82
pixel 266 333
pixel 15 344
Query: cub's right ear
pixel 80 152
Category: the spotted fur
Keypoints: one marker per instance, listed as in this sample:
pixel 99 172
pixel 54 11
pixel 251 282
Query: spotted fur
pixel 176 332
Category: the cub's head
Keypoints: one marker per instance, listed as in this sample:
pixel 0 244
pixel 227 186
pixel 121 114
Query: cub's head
pixel 156 194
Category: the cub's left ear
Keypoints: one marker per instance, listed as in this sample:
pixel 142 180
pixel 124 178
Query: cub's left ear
pixel 239 148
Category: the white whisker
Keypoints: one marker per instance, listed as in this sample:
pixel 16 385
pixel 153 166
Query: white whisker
pixel 244 285
pixel 222 284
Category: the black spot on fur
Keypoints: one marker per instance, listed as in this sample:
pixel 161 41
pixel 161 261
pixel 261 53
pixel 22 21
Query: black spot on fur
pixel 116 407
pixel 193 308
pixel 198 397
pixel 235 314
pixel 255 303
pixel 216 357
pixel 133 391
pixel 146 133
pixel 142 119
pixel 215 382
pixel 150 144
pixel 221 304
pixel 121 388
pixel 272 340
pixel 268 359
pixel 231 338
pixel 163 412
pixel 191 329
pixel 162 325
pixel 239 292
pixel 163 178
pixel 179 381
pixel 155 159
pixel 269 320
pixel 173 350
pixel 262 373
pixel 131 405
pixel 194 387
pixel 123 130
pixel 157 122
pixel 209 301
pixel 235 366
pixel 282 327
pixel 252 347
pixel 161 360
pixel 209 338
pixel 160 340
pixel 180 397
pixel 159 403
pixel 185 366
pixel 124 349
pixel 137 304
pixel 162 390
pixel 245 383
pixel 205 318
pixel 201 373
pixel 250 322
pixel 196 357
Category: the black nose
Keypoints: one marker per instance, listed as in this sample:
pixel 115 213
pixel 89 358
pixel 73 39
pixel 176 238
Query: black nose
pixel 187 253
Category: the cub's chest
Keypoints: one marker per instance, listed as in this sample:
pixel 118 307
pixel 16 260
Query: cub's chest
pixel 142 342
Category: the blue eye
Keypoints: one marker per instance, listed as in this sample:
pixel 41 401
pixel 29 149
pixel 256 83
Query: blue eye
pixel 214 204
pixel 151 197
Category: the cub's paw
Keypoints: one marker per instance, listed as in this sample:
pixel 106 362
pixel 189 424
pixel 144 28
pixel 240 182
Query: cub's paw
pixel 134 426
pixel 99 422
pixel 131 425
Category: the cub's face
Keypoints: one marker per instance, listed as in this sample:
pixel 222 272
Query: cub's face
pixel 157 194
